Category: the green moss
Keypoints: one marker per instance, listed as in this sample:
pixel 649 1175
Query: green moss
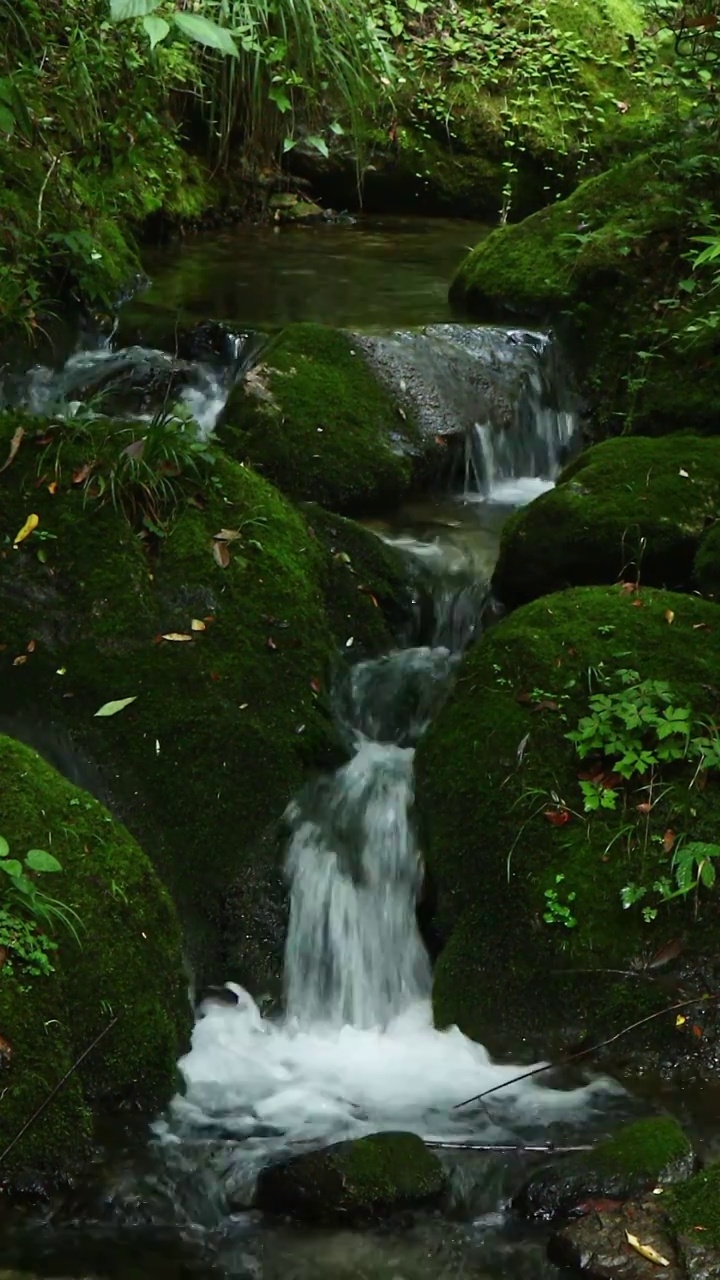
pixel 707 564
pixel 361 1179
pixel 128 966
pixel 487 771
pixel 638 1157
pixel 314 420
pixel 694 1207
pixel 629 507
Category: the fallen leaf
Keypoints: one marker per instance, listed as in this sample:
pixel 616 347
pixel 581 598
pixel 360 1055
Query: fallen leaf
pixel 14 446
pixel 177 636
pixel 680 1020
pixel 53 487
pixel 545 705
pixel 227 535
pixel 271 643
pixel 197 624
pixel 112 708
pixel 558 817
pixel 315 685
pixel 637 604
pixel 669 840
pixel 665 954
pixel 621 106
pixel 628 587
pixel 669 615
pixel 31 523
pixel 135 449
pixel 645 807
pixel 82 473
pixel 31 646
pixel 6 1052
pixel 244 706
pixel 18 662
pixel 646 1251
pixel 221 555
pixel 697 1031
pixel 681 472
pixel 701 626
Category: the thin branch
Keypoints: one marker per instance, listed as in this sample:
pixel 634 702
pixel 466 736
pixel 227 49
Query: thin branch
pixel 544 1148
pixel 585 1053
pixel 56 1089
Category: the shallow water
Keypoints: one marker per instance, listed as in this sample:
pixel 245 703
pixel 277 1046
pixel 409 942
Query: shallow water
pixel 374 273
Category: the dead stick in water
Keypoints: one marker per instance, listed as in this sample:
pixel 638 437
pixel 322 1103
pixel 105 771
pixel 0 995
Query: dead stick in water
pixel 546 1148
pixel 56 1089
pixel 584 1053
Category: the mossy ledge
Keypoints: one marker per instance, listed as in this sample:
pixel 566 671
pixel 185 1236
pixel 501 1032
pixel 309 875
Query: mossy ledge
pixel 128 966
pixel 487 771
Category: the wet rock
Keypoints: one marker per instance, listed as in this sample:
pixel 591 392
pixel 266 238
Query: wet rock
pixel 597 1244
pixel 368 1178
pixel 641 1156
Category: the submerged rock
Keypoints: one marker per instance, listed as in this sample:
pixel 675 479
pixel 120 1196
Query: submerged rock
pixel 124 966
pixel 633 508
pixel 649 1153
pixel 525 880
pixel 366 1178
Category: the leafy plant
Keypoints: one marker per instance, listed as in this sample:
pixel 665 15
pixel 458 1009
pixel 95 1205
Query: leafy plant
pixel 558 909
pixel 636 727
pixel 24 907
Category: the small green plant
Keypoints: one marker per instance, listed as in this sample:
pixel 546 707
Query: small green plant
pixel 636 727
pixel 25 907
pixel 557 909
pixel 693 865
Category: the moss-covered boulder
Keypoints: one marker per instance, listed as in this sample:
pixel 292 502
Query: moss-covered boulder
pixel 707 564
pixel 314 420
pixel 633 507
pixel 606 267
pixel 122 971
pixel 527 863
pixel 203 598
pixel 649 1153
pixel 353 1181
pixel 694 1209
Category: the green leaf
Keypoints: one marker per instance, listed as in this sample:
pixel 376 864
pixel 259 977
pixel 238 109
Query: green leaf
pixel 40 860
pixel 112 708
pixel 12 868
pixel 707 874
pixel 156 29
pixel 4 847
pixel 122 9
pixel 318 144
pixel 7 120
pixel 205 31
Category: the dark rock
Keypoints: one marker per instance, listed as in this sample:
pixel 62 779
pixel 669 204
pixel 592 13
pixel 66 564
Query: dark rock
pixel 368 1178
pixel 639 1157
pixel 597 1244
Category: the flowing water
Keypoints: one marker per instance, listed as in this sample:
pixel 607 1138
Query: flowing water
pixel 355 1050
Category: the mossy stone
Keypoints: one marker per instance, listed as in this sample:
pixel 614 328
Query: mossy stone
pixel 366 1178
pixel 649 1153
pixel 313 419
pixel 493 770
pixel 694 1207
pixel 127 966
pixel 632 507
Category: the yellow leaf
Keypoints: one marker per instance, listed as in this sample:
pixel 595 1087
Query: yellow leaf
pixel 31 523
pixel 53 487
pixel 669 615
pixel 197 624
pixel 176 635
pixel 646 1251
pixel 680 1021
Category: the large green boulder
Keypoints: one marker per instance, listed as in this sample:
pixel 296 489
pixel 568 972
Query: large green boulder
pixel 525 860
pixel 636 1159
pixel 607 268
pixel 118 969
pixel 220 609
pixel 633 507
pixel 313 419
pixel 350 1181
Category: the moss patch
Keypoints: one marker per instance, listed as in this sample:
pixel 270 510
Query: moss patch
pixel 635 508
pixel 366 1178
pixel 639 1157
pixel 696 1205
pixel 313 419
pixel 496 762
pixel 128 965
pixel 707 564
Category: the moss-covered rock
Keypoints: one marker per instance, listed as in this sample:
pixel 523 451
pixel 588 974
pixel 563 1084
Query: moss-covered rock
pixel 525 882
pixel 649 1153
pixel 366 1178
pixel 313 419
pixel 226 725
pixel 694 1207
pixel 126 966
pixel 707 564
pixel 601 266
pixel 630 507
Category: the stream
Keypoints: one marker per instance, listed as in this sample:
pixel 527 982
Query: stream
pixel 355 1050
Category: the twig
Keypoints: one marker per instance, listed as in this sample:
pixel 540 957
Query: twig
pixel 55 162
pixel 544 1148
pixel 56 1089
pixel 585 1053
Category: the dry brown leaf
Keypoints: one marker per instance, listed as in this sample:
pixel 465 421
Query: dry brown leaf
pixel 669 840
pixel 646 1251
pixel 176 635
pixel 82 473
pixel 14 446
pixel 221 555
pixel 6 1052
pixel 32 646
